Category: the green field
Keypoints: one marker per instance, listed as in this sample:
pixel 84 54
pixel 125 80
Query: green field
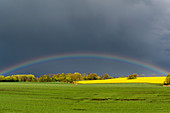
pixel 83 98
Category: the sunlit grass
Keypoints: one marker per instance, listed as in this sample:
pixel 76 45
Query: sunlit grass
pixel 25 97
pixel 157 80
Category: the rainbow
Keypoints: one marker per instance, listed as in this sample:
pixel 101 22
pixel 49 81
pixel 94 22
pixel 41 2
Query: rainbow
pixel 83 55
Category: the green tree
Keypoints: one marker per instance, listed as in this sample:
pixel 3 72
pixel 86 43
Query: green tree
pixel 133 76
pixel 55 77
pixel 167 80
pixel 88 77
pixel 45 78
pixel 93 76
pixel 68 79
pixel 8 78
pixel 13 79
pixel 84 76
pixel 106 76
pixel 2 78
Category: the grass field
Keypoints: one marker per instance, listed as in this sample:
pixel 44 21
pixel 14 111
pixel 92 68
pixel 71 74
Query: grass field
pixel 83 98
pixel 157 80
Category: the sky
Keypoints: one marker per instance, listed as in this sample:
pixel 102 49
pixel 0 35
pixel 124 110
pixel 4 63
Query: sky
pixel 135 29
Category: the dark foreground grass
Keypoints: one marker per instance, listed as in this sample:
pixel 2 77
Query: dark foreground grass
pixel 90 98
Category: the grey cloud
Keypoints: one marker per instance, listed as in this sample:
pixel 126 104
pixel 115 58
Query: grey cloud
pixel 131 28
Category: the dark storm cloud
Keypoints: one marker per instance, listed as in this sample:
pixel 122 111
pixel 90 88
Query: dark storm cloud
pixel 133 28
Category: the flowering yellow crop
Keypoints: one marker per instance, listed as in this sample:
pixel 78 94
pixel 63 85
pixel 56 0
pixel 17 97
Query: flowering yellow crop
pixel 158 80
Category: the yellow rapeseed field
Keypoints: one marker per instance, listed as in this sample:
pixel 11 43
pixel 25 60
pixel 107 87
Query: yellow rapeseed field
pixel 158 80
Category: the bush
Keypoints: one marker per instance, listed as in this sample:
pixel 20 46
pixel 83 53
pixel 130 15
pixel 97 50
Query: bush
pixel 167 80
pixel 133 76
pixel 2 78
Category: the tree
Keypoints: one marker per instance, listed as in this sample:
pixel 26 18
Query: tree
pixel 55 77
pixel 14 79
pixel 41 79
pixel 72 78
pixel 133 76
pixel 167 80
pixel 77 76
pixel 68 79
pixel 2 78
pixel 84 76
pixel 93 76
pixel 106 76
pixel 88 77
pixel 8 78
pixel 143 75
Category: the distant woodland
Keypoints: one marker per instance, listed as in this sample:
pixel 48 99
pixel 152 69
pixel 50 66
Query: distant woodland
pixel 65 78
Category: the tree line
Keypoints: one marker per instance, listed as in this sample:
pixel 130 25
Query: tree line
pixel 66 78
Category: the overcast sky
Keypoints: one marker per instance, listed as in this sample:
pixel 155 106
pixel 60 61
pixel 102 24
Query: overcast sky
pixel 136 29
